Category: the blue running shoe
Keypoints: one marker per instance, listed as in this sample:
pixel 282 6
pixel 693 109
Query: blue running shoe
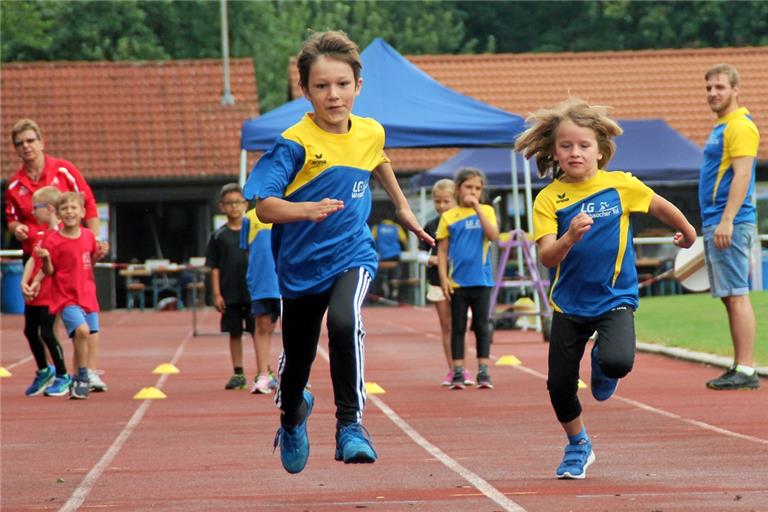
pixel 59 387
pixel 43 379
pixel 576 459
pixel 353 445
pixel 78 389
pixel 602 387
pixel 294 441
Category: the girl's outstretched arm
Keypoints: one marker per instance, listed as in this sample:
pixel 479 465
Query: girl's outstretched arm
pixel 671 215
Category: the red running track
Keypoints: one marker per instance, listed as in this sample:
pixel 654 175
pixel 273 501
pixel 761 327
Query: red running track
pixel 664 443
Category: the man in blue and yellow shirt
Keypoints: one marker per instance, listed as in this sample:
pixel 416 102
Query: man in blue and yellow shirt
pixel 726 186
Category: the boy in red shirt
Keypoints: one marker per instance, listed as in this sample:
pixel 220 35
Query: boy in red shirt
pixel 68 255
pixel 52 380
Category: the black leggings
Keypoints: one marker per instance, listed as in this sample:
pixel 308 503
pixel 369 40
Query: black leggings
pixel 616 354
pixel 302 320
pixel 38 328
pixel 478 298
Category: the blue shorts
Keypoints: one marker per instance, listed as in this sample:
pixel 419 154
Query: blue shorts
pixel 75 316
pixel 728 268
pixel 271 307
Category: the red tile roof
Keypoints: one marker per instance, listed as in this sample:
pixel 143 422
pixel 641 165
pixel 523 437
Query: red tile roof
pixel 667 84
pixel 132 120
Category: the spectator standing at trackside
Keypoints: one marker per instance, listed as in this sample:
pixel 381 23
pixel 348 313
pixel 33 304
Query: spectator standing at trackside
pixel 726 187
pixel 464 235
pixel 443 198
pixel 390 239
pixel 228 263
pixel 256 238
pixel 313 184
pixel 68 254
pixel 53 380
pixel 37 171
pixel 581 224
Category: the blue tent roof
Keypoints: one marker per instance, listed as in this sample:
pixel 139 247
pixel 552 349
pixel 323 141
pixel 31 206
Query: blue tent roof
pixel 416 111
pixel 649 149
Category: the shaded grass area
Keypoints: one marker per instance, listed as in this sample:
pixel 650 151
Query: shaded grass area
pixel 698 322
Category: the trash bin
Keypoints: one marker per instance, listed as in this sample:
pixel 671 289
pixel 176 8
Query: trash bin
pixel 12 300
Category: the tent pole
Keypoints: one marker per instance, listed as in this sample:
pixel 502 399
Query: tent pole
pixel 516 201
pixel 422 270
pixel 243 162
pixel 529 218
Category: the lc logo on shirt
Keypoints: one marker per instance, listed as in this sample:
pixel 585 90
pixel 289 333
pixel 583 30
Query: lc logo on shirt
pixel 472 224
pixel 358 189
pixel 605 210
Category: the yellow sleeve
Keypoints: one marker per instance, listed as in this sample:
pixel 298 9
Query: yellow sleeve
pixel 442 228
pixel 490 214
pixel 741 138
pixel 544 216
pixel 638 195
pixel 401 235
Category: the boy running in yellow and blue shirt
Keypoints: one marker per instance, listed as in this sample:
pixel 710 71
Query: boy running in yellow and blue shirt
pixel 581 224
pixel 255 238
pixel 313 184
pixel 465 233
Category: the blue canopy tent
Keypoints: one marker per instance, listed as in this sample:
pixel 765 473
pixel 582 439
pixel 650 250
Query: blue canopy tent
pixel 649 149
pixel 415 110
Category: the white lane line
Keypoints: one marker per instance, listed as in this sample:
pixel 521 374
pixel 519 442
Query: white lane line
pixel 18 363
pixel 474 479
pixel 661 412
pixel 81 492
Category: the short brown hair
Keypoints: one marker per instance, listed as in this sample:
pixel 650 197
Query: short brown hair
pixel 336 45
pixel 23 125
pixel 724 69
pixel 68 197
pixel 465 174
pixel 48 195
pixel 229 188
pixel 539 140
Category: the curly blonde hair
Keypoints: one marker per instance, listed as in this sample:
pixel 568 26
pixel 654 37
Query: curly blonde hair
pixel 539 140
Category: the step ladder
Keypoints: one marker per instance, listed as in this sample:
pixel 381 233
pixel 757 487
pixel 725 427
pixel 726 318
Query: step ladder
pixel 519 239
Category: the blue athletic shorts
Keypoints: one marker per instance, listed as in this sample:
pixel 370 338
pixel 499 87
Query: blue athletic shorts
pixel 75 316
pixel 269 307
pixel 728 268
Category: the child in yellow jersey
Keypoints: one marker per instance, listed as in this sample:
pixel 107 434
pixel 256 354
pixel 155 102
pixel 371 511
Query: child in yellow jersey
pixel 582 230
pixel 464 263
pixel 313 185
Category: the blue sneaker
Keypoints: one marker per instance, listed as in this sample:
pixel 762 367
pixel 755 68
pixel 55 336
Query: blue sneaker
pixel 294 441
pixel 78 389
pixel 576 459
pixel 353 445
pixel 59 387
pixel 602 387
pixel 43 379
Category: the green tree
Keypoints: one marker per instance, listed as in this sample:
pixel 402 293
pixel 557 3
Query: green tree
pixel 25 31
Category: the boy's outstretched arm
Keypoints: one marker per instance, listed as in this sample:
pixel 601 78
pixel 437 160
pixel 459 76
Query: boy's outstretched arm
pixel 671 215
pixel 280 211
pixel 385 175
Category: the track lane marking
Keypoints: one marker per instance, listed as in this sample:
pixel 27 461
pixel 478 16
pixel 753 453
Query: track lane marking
pixel 474 479
pixel 89 481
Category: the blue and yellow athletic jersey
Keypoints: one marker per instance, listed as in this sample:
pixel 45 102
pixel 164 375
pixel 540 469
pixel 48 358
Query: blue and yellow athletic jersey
pixel 255 237
pixel 306 163
pixel 469 258
pixel 598 273
pixel 390 238
pixel 735 135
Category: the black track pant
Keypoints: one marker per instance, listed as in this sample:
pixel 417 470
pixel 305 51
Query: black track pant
pixel 478 298
pixel 302 320
pixel 616 354
pixel 38 328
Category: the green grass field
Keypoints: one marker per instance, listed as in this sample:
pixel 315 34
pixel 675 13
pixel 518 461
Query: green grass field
pixel 698 322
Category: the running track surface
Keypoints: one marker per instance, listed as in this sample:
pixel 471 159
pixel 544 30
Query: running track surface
pixel 663 443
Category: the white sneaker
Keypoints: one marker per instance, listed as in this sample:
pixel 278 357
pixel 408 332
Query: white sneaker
pixel 94 381
pixel 262 385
